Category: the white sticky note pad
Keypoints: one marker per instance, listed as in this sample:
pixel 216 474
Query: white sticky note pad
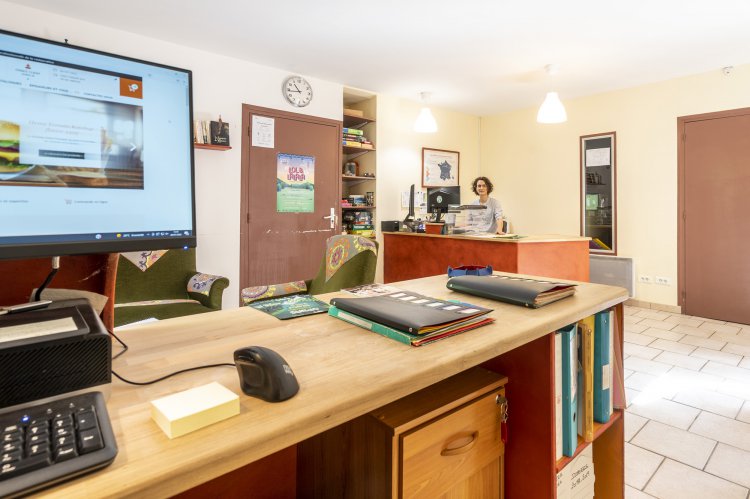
pixel 184 412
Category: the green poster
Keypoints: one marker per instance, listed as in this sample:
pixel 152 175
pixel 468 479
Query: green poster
pixel 295 183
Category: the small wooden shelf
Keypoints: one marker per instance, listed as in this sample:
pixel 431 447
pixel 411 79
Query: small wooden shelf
pixel 212 147
pixel 357 208
pixel 347 178
pixel 351 121
pixel 356 150
pixel 599 428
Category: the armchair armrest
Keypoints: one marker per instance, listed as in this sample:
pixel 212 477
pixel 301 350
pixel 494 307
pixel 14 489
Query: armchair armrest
pixel 256 293
pixel 207 289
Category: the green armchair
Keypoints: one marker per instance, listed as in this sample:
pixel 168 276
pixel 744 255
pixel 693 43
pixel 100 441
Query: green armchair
pixel 348 261
pixel 163 284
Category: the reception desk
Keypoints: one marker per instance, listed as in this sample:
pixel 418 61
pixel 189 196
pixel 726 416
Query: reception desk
pixel 344 372
pixel 412 255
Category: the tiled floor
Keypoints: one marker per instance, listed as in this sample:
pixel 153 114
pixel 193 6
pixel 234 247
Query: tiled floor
pixel 687 428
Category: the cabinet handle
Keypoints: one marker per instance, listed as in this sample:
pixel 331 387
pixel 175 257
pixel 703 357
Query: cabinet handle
pixel 463 448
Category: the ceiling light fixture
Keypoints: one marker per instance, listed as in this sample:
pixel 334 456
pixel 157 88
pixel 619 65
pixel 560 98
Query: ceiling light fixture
pixel 551 110
pixel 425 122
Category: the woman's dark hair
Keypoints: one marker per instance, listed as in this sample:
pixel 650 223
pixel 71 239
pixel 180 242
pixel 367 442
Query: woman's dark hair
pixel 487 182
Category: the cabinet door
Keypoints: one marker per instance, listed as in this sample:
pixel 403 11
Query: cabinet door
pixel 456 455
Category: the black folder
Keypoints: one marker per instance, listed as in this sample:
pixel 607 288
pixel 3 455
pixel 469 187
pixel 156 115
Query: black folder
pixel 530 293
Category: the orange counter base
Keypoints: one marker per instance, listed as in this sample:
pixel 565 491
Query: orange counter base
pixel 411 256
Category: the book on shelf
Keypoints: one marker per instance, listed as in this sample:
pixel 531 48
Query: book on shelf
pixel 531 293
pixel 219 133
pixel 410 312
pixel 603 372
pixel 352 131
pixel 414 340
pixel 586 378
pixel 569 403
pixel 351 143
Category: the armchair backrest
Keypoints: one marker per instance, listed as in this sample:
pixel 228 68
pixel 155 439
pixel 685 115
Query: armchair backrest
pixel 349 261
pixel 165 278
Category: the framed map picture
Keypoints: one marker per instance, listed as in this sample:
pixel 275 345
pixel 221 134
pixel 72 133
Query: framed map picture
pixel 439 167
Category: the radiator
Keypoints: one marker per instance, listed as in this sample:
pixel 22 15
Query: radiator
pixel 612 270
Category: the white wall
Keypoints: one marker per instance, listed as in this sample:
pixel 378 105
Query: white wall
pixel 220 86
pixel 536 167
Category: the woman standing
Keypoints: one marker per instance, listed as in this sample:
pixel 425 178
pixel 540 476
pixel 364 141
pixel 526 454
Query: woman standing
pixel 489 219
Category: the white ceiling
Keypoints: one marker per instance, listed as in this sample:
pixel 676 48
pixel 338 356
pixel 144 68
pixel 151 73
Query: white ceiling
pixel 476 56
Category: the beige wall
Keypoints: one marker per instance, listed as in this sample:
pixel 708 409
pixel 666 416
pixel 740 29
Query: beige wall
pixel 535 167
pixel 399 151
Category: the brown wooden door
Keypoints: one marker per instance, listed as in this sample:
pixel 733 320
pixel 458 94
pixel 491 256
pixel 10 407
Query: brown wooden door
pixel 715 235
pixel 276 246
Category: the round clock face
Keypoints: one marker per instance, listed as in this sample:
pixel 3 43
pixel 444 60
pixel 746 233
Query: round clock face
pixel 297 91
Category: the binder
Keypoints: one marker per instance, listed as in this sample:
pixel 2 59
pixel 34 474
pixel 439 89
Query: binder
pixel 586 379
pixel 558 397
pixel 603 355
pixel 530 293
pixel 569 390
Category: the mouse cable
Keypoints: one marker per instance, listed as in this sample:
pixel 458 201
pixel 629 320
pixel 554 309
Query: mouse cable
pixel 124 346
pixel 169 375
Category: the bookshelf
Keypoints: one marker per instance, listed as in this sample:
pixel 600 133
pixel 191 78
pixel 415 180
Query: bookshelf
pixel 359 161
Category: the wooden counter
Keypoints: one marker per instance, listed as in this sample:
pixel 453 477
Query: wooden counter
pixel 412 255
pixel 344 372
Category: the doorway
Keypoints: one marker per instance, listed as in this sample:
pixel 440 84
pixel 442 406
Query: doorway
pixel 714 215
pixel 282 238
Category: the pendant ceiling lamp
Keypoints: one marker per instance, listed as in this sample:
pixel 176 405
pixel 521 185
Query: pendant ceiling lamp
pixel 551 110
pixel 425 122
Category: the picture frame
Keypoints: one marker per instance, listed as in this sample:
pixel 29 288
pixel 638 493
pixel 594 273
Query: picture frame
pixel 439 167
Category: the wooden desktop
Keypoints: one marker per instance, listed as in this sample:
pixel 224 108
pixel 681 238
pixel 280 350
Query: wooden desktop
pixel 344 372
pixel 408 255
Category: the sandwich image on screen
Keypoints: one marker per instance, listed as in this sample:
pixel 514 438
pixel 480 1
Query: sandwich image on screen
pixel 9 151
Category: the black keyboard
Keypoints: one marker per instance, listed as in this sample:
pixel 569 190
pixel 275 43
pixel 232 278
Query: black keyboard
pixel 46 443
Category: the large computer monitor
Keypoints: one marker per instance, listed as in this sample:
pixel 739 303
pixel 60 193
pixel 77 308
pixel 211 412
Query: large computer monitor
pixel 96 151
pixel 438 199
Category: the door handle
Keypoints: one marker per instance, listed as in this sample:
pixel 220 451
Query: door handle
pixel 332 217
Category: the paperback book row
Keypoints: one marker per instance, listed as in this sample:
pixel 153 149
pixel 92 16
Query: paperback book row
pixel 354 137
pixel 586 371
pixel 215 133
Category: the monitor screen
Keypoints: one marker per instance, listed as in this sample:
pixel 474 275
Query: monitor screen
pixel 438 198
pixel 95 151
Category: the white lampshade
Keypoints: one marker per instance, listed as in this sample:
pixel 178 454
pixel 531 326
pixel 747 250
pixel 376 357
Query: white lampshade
pixel 552 110
pixel 425 122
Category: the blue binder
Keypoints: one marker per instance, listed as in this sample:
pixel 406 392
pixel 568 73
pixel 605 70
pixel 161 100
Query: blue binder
pixel 603 346
pixel 569 389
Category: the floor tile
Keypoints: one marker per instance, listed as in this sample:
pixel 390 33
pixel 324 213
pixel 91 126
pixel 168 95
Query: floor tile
pixel 640 465
pixel 685 320
pixel 638 339
pixel 736 339
pixel 665 411
pixel 640 351
pixel 728 431
pixel 680 445
pixel 681 379
pixel 663 333
pixel 744 414
pixel 718 403
pixel 736 349
pixel 678 359
pixel 740 389
pixel 659 324
pixel 719 328
pixel 692 331
pixel 672 346
pixel 633 424
pixel 732 372
pixel 627 372
pixel 729 359
pixel 630 310
pixel 646 366
pixel 630 395
pixel 632 493
pixel 635 328
pixel 730 463
pixel 640 381
pixel 652 386
pixel 745 363
pixel 675 480
pixel 703 342
pixel 653 314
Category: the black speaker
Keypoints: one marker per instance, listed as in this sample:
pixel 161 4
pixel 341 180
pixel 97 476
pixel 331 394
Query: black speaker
pixel 390 226
pixel 35 367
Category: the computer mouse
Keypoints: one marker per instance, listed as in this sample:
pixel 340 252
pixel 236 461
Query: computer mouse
pixel 265 374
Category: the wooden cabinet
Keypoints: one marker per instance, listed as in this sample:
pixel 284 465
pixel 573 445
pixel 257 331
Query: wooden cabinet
pixel 359 162
pixel 443 441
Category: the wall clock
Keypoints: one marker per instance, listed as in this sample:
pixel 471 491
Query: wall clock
pixel 297 91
